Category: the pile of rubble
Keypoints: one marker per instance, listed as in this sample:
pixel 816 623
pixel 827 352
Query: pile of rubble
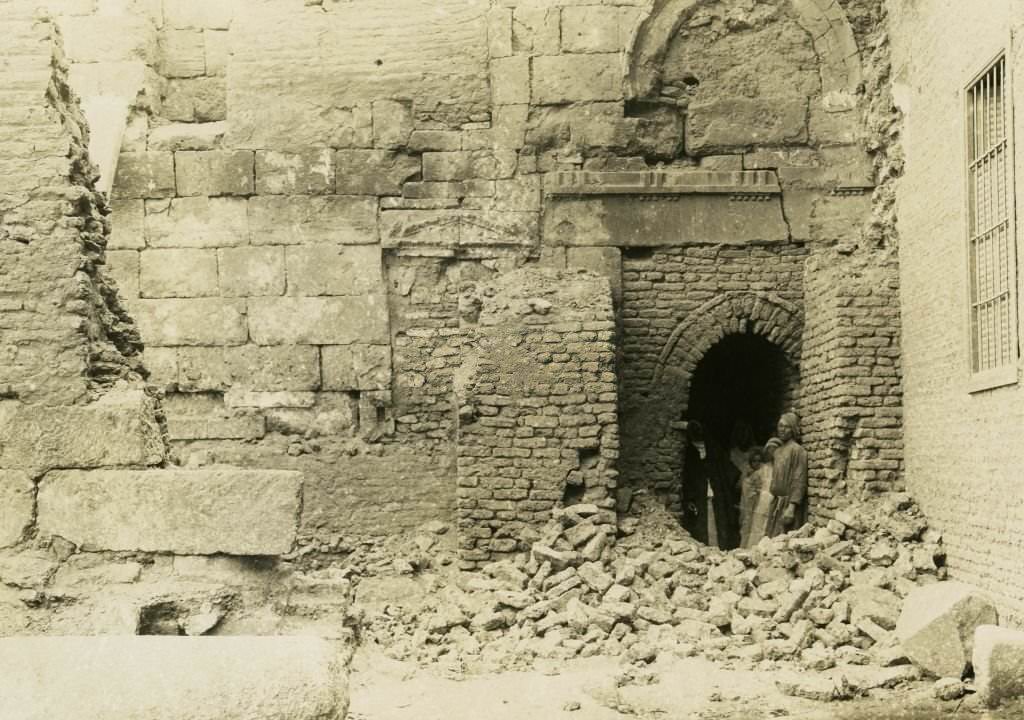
pixel 819 596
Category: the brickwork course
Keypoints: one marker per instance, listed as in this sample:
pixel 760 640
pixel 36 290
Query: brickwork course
pixel 324 218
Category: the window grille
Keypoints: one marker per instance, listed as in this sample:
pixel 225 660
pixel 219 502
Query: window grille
pixel 992 246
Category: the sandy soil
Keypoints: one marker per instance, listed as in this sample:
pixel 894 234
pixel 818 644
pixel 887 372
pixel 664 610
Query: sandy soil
pixel 596 689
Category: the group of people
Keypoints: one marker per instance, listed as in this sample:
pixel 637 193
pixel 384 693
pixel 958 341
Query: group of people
pixel 733 498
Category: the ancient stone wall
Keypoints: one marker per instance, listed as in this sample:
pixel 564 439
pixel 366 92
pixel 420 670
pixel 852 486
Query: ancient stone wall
pixel 303 186
pixel 962 448
pixel 537 393
pixel 99 533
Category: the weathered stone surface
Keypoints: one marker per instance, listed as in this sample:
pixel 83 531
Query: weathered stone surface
pixel 182 53
pixel 190 512
pixel 597 28
pixel 510 80
pixel 624 221
pixel 356 367
pixel 214 172
pixel 322 65
pixel 273 368
pixel 936 627
pixel 251 271
pixel 16 505
pixel 998 660
pixel 177 273
pixel 727 124
pixel 392 123
pixel 319 320
pixel 187 136
pixel 144 175
pixel 281 173
pixel 874 603
pixel 127 225
pixel 374 172
pixel 119 429
pixel 338 219
pixel 334 270
pixel 467 228
pixel 197 222
pixel 123 269
pixel 577 78
pixel 198 321
pixel 163 678
pixel 198 99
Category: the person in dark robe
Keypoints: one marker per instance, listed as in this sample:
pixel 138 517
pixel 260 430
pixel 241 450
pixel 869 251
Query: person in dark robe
pixel 695 482
pixel 789 479
pixel 724 497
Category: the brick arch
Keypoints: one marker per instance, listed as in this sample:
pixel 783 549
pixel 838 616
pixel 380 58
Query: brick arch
pixel 769 316
pixel 825 21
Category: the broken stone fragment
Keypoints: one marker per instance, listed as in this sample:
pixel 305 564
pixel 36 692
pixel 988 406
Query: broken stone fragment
pixel 874 603
pixel 595 547
pixel 594 576
pixel 937 625
pixel 998 659
pixel 559 559
pixel 949 689
pixel 488 620
pixel 515 599
pixel 581 533
pixel 820 689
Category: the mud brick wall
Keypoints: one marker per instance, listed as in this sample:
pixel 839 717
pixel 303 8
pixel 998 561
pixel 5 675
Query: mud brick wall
pixel 851 400
pixel 424 294
pixel 668 288
pixel 963 451
pixel 537 406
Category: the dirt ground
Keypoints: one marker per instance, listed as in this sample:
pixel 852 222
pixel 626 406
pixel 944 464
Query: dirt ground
pixel 598 689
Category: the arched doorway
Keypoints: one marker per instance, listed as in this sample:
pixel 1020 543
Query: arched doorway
pixel 742 379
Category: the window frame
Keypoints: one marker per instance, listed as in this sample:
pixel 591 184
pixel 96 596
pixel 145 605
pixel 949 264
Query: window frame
pixel 1007 374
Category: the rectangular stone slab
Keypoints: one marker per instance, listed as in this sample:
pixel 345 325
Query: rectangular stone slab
pixel 173 678
pixel 187 512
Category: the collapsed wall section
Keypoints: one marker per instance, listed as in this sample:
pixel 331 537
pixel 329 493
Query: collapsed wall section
pixel 537 394
pixel 65 335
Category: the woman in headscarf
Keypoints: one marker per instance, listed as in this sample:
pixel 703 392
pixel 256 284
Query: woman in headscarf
pixel 789 479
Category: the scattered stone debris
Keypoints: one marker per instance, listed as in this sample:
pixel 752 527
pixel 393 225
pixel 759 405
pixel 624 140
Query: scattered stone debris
pixel 824 597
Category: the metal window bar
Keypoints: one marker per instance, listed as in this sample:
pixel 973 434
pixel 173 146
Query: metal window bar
pixel 991 262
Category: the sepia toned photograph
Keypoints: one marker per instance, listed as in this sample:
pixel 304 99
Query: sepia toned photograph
pixel 511 360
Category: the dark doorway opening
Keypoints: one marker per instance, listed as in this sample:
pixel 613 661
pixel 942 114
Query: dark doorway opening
pixel 742 378
pixel 744 382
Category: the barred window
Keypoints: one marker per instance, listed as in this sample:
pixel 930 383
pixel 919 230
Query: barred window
pixel 991 241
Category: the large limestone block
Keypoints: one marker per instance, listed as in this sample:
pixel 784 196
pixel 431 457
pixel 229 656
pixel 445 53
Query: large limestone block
pixel 298 76
pixel 191 321
pixel 338 320
pixel 724 125
pixel 120 429
pixel 191 512
pixel 998 659
pixel 936 627
pixel 16 505
pixel 173 678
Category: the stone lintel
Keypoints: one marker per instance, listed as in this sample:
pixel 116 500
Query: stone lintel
pixel 662 182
